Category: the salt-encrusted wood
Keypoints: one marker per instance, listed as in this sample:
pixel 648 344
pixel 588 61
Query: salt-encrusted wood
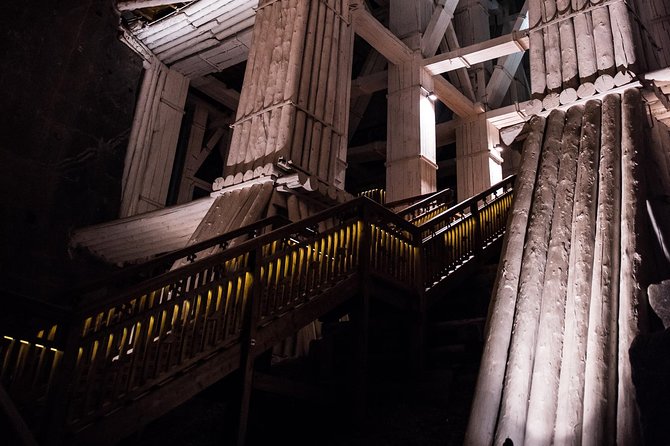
pixel 601 352
pixel 410 155
pixel 569 414
pixel 486 402
pixel 516 387
pixel 296 84
pixel 546 369
pixel 153 140
pixel 630 293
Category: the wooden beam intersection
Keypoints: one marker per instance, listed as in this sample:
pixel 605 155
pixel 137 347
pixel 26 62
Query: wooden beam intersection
pixel 465 57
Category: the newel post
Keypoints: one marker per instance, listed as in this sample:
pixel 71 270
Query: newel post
pixel 248 337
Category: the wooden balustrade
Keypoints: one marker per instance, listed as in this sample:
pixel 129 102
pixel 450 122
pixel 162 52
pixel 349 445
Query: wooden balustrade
pixel 455 236
pixel 127 343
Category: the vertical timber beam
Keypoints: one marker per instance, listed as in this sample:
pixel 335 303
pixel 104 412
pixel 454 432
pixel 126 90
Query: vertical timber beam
pixel 478 165
pixel 153 140
pixel 478 162
pixel 410 163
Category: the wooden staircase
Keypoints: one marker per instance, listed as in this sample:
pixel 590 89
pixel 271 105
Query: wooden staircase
pixel 131 348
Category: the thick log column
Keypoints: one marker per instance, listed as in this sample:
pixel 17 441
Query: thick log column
pixel 153 140
pixel 410 160
pixel 579 48
pixel 296 90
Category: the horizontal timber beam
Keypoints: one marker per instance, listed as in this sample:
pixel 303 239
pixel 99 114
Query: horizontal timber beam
pixel 396 52
pixel 454 99
pixel 368 84
pixel 465 57
pixel 380 37
pixel 217 90
pixel 439 22
pixel 137 4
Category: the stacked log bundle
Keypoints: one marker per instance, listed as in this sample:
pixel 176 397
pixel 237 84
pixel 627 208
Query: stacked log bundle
pixel 568 296
pixel 296 92
pixel 579 48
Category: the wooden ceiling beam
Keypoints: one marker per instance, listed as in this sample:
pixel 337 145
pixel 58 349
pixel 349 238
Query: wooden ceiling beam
pixel 454 99
pixel 465 57
pixel 217 90
pixel 380 37
pixel 396 52
pixel 131 5
pixel 369 84
pixel 437 26
pixel 506 67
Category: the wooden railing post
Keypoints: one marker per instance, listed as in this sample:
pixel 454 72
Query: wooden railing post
pixel 58 396
pixel 478 237
pixel 362 318
pixel 248 341
pixel 419 321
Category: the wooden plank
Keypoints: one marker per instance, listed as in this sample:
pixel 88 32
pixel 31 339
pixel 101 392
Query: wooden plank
pixel 454 99
pixel 368 84
pixel 218 91
pixel 506 67
pixel 381 39
pixel 478 53
pixel 439 22
pixel 138 4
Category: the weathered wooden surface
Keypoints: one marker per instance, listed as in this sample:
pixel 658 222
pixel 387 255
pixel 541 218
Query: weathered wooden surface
pixel 543 397
pixel 296 92
pixel 484 411
pixel 516 387
pixel 573 302
pixel 630 293
pixel 600 377
pixel 153 140
pixel 582 45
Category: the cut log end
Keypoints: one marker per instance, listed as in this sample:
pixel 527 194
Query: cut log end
pixel 604 83
pixel 585 90
pixel 568 96
pixel 551 101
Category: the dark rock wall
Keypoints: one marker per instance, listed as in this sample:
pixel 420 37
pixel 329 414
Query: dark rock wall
pixel 68 90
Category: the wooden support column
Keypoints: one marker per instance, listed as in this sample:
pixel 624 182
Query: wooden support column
pixel 486 401
pixel 478 163
pixel 410 160
pixel 471 23
pixel 153 140
pixel 295 97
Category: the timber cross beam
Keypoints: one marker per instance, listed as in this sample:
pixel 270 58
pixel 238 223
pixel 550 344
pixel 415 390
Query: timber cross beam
pixel 396 52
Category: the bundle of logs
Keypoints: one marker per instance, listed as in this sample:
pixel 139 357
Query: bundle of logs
pixel 581 47
pixel 296 92
pixel 567 301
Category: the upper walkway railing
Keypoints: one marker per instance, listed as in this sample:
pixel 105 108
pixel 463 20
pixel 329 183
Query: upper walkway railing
pixel 89 360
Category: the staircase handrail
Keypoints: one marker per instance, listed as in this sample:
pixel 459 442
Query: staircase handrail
pixel 442 197
pixel 465 207
pixel 261 272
